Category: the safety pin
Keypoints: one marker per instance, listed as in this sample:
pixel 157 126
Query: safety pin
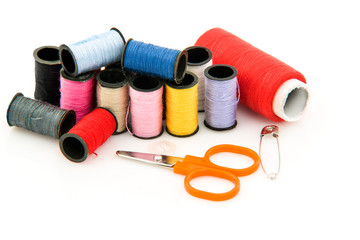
pixel 274 131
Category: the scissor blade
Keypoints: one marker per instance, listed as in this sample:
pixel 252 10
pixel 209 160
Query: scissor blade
pixel 159 159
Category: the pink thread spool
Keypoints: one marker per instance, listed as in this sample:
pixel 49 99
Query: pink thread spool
pixel 77 93
pixel 146 107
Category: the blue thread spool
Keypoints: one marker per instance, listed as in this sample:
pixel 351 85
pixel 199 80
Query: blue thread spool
pixel 155 61
pixel 92 53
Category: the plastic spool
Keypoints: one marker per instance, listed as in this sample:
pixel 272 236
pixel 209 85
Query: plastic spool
pixel 112 94
pixel 82 140
pixel 81 100
pixel 144 87
pixel 221 73
pixel 199 58
pixel 181 107
pixel 178 68
pixel 47 74
pixel 54 121
pixel 85 60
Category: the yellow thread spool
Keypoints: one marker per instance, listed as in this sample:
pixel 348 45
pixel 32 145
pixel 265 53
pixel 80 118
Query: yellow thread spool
pixel 182 106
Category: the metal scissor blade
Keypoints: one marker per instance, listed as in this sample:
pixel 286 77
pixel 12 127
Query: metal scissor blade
pixel 159 159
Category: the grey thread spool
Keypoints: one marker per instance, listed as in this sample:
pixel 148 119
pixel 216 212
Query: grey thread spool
pixel 47 74
pixel 39 117
pixel 112 94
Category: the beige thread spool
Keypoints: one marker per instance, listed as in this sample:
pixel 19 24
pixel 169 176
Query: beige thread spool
pixel 112 94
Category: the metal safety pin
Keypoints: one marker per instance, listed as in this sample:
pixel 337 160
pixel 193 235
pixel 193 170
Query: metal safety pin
pixel 274 131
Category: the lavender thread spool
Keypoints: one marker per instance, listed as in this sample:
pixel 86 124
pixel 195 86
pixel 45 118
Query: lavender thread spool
pixel 220 97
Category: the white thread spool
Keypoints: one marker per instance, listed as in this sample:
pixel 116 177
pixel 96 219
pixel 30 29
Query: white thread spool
pixel 112 94
pixel 199 58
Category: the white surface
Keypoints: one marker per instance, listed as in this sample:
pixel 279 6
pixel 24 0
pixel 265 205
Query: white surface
pixel 45 196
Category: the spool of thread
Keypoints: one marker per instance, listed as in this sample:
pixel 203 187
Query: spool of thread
pixel 181 106
pixel 146 107
pixel 199 58
pixel 155 61
pixel 87 135
pixel 92 53
pixel 77 93
pixel 47 74
pixel 220 97
pixel 112 94
pixel 39 117
pixel 267 85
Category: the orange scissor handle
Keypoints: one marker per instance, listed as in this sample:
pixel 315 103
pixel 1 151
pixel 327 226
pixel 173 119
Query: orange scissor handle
pixel 194 167
pixel 234 149
pixel 209 195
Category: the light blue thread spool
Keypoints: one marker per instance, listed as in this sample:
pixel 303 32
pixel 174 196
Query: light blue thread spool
pixel 220 97
pixel 155 61
pixel 92 53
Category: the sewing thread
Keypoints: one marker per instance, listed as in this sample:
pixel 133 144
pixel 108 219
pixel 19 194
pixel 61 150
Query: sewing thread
pixel 154 61
pixel 260 75
pixel 47 74
pixel 92 53
pixel 112 94
pixel 146 107
pixel 220 97
pixel 199 58
pixel 39 117
pixel 181 106
pixel 87 135
pixel 77 93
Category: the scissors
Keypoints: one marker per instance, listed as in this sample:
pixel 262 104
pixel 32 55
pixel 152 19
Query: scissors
pixel 193 167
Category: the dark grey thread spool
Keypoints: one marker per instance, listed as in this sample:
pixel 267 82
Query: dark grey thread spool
pixel 39 117
pixel 47 74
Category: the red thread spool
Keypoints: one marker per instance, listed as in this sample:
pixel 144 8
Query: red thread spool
pixel 88 134
pixel 267 85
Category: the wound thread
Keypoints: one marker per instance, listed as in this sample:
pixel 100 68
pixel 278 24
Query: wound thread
pixel 112 94
pixel 199 58
pixel 154 60
pixel 220 97
pixel 92 53
pixel 146 107
pixel 87 135
pixel 260 75
pixel 39 117
pixel 47 74
pixel 77 93
pixel 181 106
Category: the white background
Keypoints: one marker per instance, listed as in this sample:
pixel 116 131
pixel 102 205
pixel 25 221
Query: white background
pixel 45 196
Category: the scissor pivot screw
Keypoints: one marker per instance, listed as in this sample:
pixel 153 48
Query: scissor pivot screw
pixel 158 158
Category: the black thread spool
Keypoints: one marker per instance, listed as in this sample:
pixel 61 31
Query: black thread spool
pixel 39 117
pixel 47 74
pixel 179 67
pixel 75 66
pixel 145 84
pixel 190 80
pixel 220 72
pixel 112 94
pixel 199 58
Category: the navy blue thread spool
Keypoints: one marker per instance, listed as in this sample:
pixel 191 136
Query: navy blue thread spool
pixel 155 61
pixel 47 74
pixel 92 53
